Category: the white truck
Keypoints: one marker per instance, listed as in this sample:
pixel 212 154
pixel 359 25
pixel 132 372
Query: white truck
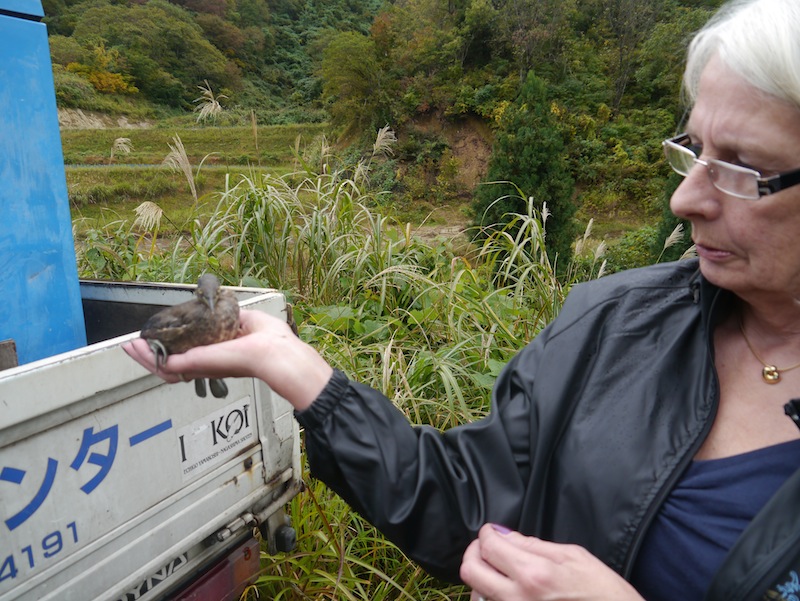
pixel 117 486
pixel 113 485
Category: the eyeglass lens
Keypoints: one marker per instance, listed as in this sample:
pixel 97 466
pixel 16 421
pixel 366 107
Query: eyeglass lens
pixel 681 159
pixel 731 179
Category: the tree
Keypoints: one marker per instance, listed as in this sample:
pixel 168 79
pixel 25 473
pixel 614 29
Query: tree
pixel 529 153
pixel 352 82
pixel 536 31
pixel 211 7
pixel 65 50
pixel 480 19
pixel 165 49
pixel 662 55
pixel 426 38
pixel 224 35
pixel 630 22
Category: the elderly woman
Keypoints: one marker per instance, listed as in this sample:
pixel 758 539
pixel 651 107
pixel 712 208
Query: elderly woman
pixel 638 447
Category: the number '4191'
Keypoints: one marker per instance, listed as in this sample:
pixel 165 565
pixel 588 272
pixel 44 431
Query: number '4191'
pixel 52 544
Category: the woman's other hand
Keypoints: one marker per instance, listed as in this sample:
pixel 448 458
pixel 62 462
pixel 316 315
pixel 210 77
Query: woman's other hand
pixel 266 348
pixel 501 565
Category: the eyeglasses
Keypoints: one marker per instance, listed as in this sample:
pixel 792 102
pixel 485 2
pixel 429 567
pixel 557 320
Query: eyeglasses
pixel 738 181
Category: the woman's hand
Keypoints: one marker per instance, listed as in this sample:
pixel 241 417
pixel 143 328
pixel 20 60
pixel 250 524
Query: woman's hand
pixel 266 348
pixel 501 565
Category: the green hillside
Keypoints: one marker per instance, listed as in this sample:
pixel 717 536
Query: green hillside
pixel 607 76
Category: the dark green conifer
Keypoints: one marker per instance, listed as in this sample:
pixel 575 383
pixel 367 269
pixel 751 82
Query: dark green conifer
pixel 529 155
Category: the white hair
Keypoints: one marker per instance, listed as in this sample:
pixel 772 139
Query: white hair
pixel 758 40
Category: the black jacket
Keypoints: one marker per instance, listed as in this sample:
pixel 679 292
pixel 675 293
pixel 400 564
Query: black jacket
pixel 591 425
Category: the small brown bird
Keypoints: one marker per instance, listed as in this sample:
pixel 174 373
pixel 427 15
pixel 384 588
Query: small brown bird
pixel 211 316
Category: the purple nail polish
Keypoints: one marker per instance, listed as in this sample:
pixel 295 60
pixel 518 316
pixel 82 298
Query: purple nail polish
pixel 501 529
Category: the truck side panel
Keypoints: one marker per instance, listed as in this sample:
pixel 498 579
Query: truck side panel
pixel 108 476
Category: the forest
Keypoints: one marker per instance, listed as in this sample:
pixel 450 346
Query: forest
pixel 572 97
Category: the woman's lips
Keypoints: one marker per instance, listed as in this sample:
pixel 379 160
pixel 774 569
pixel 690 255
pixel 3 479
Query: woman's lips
pixel 711 253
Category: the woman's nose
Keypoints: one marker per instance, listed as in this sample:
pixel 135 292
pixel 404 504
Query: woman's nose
pixel 696 196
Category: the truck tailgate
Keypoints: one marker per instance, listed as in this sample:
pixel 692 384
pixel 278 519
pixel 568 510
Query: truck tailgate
pixel 115 485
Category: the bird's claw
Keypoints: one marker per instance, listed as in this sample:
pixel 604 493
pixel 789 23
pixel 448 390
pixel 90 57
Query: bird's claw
pixel 159 350
pixel 218 388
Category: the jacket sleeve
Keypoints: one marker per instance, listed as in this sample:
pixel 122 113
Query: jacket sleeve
pixel 429 492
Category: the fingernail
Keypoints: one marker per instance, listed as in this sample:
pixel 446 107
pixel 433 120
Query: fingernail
pixel 501 529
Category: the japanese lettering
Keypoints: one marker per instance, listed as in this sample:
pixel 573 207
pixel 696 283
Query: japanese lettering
pixel 15 476
pixel 104 462
pixel 96 448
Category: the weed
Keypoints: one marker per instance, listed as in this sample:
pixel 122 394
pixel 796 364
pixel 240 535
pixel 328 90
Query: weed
pixel 428 324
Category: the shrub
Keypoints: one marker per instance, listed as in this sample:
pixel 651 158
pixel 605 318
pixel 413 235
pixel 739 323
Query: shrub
pixel 634 249
pixel 65 50
pixel 528 162
pixel 72 90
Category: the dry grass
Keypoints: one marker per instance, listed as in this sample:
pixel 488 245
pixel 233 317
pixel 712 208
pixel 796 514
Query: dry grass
pixel 120 146
pixel 208 106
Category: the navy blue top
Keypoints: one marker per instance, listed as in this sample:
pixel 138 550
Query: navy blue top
pixel 703 516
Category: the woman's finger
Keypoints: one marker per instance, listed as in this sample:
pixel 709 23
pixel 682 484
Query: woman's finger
pixel 481 576
pixel 531 569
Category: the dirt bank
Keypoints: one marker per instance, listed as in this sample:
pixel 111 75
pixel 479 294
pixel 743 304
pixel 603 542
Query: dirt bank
pixel 78 119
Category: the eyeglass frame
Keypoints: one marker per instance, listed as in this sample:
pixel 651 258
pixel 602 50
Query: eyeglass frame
pixel 764 185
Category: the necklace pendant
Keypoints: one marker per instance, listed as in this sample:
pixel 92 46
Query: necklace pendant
pixel 771 374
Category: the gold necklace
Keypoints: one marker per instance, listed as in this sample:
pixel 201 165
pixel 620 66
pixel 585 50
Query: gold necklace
pixel 770 373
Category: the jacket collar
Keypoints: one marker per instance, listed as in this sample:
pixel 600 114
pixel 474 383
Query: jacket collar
pixel 715 302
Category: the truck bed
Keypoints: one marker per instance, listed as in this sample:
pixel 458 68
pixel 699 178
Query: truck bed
pixel 115 485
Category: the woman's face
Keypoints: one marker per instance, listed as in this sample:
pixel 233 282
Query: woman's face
pixel 747 246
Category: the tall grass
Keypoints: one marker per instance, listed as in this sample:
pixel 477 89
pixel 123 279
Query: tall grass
pixel 208 106
pixel 429 324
